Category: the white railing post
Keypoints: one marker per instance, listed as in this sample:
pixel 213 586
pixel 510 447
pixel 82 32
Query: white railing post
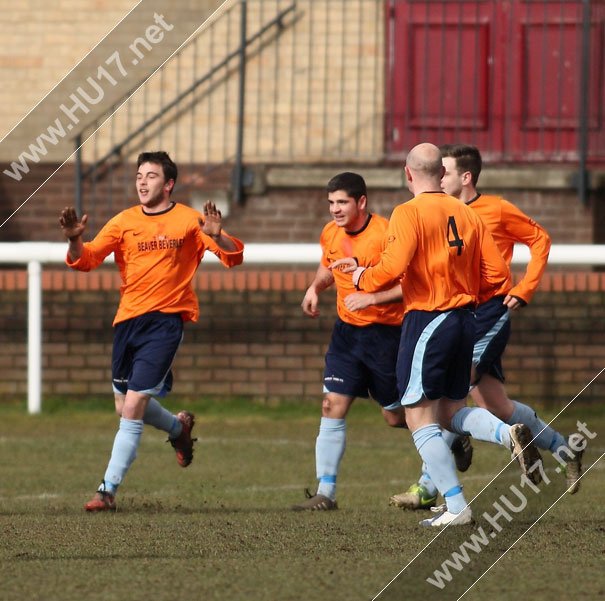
pixel 34 337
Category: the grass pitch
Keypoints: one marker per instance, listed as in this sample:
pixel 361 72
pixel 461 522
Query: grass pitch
pixel 222 528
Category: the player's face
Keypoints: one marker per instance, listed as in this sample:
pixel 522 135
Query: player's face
pixel 451 182
pixel 346 211
pixel 152 188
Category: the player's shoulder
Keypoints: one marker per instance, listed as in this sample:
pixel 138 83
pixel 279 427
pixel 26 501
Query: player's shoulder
pixel 184 209
pixel 497 205
pixel 330 229
pixel 126 216
pixel 378 222
pixel 128 212
pixel 328 234
pixel 490 199
pixel 183 215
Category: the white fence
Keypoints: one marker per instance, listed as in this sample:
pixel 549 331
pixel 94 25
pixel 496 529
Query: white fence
pixel 35 254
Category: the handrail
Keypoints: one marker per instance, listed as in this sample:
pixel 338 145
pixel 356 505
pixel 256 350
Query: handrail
pixel 278 20
pixel 54 252
pixel 273 253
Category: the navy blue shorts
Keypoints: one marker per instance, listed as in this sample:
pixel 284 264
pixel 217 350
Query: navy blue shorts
pixel 143 351
pixel 493 333
pixel 435 355
pixel 360 362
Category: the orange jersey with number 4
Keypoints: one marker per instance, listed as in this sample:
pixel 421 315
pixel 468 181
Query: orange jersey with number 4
pixel 445 252
pixel 366 246
pixel 157 255
pixel 508 225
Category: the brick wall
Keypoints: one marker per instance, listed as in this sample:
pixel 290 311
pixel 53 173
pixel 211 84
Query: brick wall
pixel 253 341
pixel 277 213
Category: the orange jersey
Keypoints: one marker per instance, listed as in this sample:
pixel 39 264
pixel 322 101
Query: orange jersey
pixel 366 246
pixel 157 255
pixel 445 253
pixel 508 225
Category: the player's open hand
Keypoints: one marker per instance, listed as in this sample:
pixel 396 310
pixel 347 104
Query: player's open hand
pixel 71 227
pixel 213 220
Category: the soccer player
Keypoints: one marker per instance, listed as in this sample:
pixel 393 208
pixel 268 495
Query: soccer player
pixel 158 246
pixel 362 354
pixel 508 225
pixel 449 263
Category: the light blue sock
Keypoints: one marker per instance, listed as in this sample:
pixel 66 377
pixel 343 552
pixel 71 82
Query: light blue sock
pixel 155 415
pixel 449 437
pixel 481 425
pixel 548 439
pixel 440 463
pixel 124 451
pixel 329 449
pixel 425 480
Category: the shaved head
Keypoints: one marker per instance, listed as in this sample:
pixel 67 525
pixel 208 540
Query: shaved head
pixel 424 168
pixel 425 159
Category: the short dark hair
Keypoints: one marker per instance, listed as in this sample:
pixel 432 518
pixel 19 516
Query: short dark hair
pixel 161 158
pixel 467 157
pixel 352 183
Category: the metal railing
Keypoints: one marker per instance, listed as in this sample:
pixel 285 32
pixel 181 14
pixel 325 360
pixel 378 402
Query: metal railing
pixel 183 105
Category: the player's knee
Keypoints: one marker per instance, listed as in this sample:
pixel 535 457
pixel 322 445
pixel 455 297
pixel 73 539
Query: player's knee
pixel 394 419
pixel 501 412
pixel 336 408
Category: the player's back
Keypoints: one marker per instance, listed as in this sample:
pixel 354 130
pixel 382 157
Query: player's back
pixel 445 269
pixel 508 226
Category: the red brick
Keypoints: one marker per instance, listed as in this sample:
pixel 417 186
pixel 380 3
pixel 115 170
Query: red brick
pixel 230 375
pixel 300 375
pixel 557 282
pixel 248 362
pixel 264 280
pixel 248 388
pixel 216 388
pixel 286 389
pixel 284 362
pixel 107 281
pixel 263 375
pixel 289 281
pixel 267 349
pixel 571 282
pixel 277 281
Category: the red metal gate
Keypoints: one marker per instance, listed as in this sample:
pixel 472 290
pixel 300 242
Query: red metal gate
pixel 506 75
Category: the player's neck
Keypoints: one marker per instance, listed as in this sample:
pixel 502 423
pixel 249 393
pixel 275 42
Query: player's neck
pixel 468 194
pixel 359 225
pixel 158 207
